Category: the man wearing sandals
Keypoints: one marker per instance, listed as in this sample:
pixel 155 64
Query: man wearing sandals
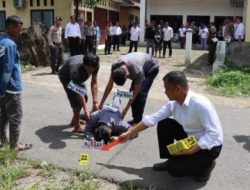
pixel 11 85
pixel 73 75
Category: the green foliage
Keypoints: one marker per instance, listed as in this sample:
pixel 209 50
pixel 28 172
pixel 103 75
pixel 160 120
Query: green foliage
pixel 26 66
pixel 7 156
pixel 231 80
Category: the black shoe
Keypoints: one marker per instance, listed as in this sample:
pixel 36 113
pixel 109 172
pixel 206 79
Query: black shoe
pixel 206 173
pixel 161 166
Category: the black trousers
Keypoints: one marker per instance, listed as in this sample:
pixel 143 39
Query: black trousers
pixel 116 42
pixel 133 44
pixel 74 44
pixel 195 164
pixel 88 45
pixel 169 44
pixel 108 44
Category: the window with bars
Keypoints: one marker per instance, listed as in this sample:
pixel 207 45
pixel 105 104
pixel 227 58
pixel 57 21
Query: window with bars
pixel 44 16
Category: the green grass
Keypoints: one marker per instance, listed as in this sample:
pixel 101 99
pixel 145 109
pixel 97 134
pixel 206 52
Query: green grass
pixel 26 66
pixel 231 80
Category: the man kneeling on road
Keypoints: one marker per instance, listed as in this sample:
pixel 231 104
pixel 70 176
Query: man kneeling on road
pixel 192 114
pixel 76 71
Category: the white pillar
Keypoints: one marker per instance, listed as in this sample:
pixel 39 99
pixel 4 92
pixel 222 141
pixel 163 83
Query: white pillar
pixel 142 19
pixel 184 20
pixel 188 49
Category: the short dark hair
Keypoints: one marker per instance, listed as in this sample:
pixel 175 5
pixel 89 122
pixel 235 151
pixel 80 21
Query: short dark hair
pixel 176 78
pixel 119 76
pixel 13 20
pixel 102 133
pixel 91 60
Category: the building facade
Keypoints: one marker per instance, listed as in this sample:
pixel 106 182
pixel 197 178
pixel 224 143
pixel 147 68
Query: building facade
pixel 46 10
pixel 179 12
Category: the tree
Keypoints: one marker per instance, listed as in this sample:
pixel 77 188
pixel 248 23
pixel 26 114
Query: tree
pixel 88 3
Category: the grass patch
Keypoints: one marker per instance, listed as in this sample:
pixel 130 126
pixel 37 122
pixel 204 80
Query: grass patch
pixel 231 80
pixel 26 66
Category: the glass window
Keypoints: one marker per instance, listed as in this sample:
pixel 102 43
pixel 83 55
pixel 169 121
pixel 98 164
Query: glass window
pixel 45 16
pixel 45 3
pixel 2 21
pixel 31 3
pixel 52 2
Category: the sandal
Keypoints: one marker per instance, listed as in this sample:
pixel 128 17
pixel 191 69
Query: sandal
pixel 22 147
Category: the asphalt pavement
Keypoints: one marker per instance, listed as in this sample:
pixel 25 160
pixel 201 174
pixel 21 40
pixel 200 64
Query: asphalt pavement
pixel 45 124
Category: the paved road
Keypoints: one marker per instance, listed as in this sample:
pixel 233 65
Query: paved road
pixel 45 124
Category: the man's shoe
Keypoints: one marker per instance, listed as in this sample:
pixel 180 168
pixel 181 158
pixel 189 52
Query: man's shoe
pixel 206 173
pixel 161 166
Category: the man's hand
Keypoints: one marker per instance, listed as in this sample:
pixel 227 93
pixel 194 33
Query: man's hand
pixel 125 136
pixel 124 112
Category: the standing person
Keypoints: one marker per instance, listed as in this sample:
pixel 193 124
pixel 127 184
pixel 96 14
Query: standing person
pixel 228 34
pixel 134 37
pixel 96 36
pixel 11 85
pixel 88 45
pixel 142 69
pixel 55 43
pixel 149 36
pixel 116 31
pixel 167 39
pixel 239 30
pixel 124 34
pixel 182 36
pixel 158 40
pixel 191 114
pixel 203 34
pixel 77 70
pixel 212 44
pixel 108 38
pixel 81 24
pixel 73 35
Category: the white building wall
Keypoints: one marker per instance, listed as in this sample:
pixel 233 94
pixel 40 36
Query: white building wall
pixel 192 8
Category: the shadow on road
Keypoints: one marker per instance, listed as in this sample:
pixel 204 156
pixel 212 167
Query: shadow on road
pixel 156 180
pixel 54 135
pixel 244 140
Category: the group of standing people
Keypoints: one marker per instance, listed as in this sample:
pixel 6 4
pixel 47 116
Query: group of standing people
pixel 159 38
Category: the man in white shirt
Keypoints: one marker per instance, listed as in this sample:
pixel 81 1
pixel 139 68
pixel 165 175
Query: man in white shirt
pixel 73 35
pixel 182 36
pixel 239 30
pixel 134 37
pixel 116 33
pixel 167 39
pixel 203 34
pixel 191 114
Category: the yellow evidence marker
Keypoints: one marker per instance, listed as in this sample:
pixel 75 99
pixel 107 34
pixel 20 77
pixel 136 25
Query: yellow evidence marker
pixel 181 145
pixel 84 158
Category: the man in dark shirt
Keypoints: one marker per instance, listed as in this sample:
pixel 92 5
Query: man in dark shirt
pixel 142 69
pixel 149 36
pixel 75 72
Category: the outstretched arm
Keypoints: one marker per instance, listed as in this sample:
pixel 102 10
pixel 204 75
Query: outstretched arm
pixel 106 92
pixel 94 91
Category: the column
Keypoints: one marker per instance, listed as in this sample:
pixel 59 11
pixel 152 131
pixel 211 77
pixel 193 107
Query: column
pixel 247 20
pixel 188 49
pixel 142 19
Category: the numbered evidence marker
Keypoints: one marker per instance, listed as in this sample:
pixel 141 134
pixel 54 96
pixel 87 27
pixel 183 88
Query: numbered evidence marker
pixel 84 158
pixel 77 88
pixel 181 145
pixel 124 94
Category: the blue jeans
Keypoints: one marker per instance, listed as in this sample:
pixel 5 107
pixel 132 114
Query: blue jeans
pixel 150 43
pixel 204 43
pixel 139 104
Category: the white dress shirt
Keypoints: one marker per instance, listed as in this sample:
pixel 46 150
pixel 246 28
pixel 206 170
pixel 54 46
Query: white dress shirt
pixel 116 30
pixel 239 31
pixel 197 115
pixel 167 33
pixel 135 33
pixel 72 30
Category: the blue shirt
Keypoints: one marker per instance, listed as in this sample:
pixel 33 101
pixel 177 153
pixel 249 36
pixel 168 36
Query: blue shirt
pixel 10 70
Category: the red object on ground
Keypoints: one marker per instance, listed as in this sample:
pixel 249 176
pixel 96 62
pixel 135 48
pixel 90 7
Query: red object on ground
pixel 106 147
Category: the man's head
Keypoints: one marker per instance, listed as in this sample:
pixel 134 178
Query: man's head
pixel 13 26
pixel 72 19
pixel 176 85
pixel 58 21
pixel 120 74
pixel 103 132
pixel 91 62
